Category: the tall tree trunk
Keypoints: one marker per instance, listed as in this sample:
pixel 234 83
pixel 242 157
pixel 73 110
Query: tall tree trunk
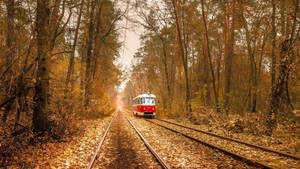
pixel 229 42
pixel 282 17
pixel 88 57
pixel 286 59
pixel 273 35
pixel 10 36
pixel 261 59
pixel 166 72
pixel 21 86
pixel 219 66
pixel 10 51
pixel 283 34
pixel 97 37
pixel 69 78
pixel 252 69
pixel 183 58
pixel 54 24
pixel 206 45
pixel 71 61
pixel 274 102
pixel 84 48
pixel 254 96
pixel 205 71
pixel 172 78
pixel 41 97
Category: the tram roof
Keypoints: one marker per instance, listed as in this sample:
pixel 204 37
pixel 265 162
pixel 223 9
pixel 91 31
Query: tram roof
pixel 145 95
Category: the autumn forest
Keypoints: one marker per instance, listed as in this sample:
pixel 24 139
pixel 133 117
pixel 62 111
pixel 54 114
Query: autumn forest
pixel 229 67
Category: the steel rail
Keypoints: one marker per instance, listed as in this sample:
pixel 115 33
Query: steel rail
pixel 92 161
pixel 161 161
pixel 234 155
pixel 235 140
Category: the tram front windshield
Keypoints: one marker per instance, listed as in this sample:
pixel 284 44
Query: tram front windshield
pixel 149 101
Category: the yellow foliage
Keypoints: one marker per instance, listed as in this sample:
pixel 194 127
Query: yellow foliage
pixel 106 105
pixel 78 91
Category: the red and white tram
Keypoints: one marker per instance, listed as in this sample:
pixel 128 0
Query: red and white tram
pixel 144 105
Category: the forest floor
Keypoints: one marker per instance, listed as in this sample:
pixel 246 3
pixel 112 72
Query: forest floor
pixel 74 151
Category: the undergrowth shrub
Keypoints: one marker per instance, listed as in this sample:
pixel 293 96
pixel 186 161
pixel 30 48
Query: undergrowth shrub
pixel 105 106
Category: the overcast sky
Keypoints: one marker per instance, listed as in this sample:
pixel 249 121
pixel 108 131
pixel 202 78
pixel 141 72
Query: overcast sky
pixel 130 44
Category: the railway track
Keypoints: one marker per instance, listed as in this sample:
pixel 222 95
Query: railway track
pixel 193 134
pixel 235 140
pixel 92 161
pixel 161 161
pixel 153 152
